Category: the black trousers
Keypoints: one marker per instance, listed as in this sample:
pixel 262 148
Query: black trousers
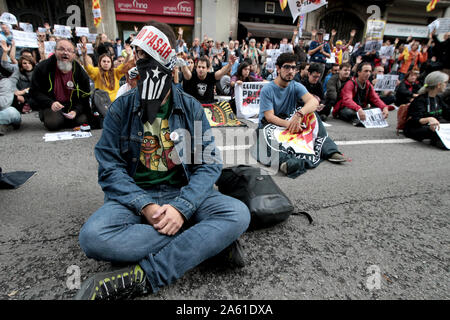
pixel 55 121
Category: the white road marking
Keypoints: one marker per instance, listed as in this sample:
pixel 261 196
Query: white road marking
pixel 339 143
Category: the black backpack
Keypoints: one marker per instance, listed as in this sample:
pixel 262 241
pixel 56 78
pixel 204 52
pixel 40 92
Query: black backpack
pixel 100 103
pixel 268 205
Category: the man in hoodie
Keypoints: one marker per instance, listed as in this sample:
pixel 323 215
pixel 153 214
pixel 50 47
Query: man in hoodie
pixel 60 88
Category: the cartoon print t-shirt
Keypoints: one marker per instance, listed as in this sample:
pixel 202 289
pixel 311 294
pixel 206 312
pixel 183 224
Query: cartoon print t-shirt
pixel 155 162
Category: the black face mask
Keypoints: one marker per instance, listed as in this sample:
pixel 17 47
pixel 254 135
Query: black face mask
pixel 154 84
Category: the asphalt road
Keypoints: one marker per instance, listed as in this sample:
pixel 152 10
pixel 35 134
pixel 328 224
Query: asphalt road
pixel 386 211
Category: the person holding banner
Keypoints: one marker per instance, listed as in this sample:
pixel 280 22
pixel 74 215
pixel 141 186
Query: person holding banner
pixel 428 110
pixel 60 89
pixel 358 94
pixel 297 136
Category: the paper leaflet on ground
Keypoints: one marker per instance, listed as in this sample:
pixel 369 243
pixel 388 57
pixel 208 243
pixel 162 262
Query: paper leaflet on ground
pixel 66 135
pixel 247 99
pixel 374 119
pixel 444 134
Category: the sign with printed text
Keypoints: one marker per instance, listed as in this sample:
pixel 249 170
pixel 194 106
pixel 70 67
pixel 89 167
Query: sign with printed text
pixel 49 47
pixel 386 82
pixel 27 27
pixel 375 29
pixel 374 119
pixel 42 30
pixel 387 52
pixel 92 37
pixel 304 6
pixel 82 31
pixel 441 25
pixel 286 48
pixel 63 31
pixel 247 99
pixel 25 39
pixel 373 45
pixel 185 8
pixel 89 47
pixel 444 134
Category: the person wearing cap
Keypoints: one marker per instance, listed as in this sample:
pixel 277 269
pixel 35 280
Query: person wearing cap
pixel 319 50
pixel 161 214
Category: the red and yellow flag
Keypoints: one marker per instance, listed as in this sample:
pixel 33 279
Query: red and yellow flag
pixel 96 12
pixel 283 4
pixel 432 5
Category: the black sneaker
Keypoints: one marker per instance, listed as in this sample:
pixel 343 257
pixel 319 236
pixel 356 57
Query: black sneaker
pixel 125 283
pixel 234 254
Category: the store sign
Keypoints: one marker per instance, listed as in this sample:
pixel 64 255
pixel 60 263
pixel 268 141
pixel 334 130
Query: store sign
pixel 184 8
pixel 405 30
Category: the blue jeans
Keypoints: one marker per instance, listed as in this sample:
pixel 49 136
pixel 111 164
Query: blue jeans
pixel 114 233
pixel 10 115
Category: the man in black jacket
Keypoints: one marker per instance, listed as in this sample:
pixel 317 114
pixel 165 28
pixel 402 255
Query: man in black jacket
pixel 60 88
pixel 334 86
pixel 314 86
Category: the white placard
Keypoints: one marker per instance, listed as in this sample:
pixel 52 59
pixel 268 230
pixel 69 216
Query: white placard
pixel 332 58
pixel 386 82
pixel 25 39
pixel 373 45
pixel 444 134
pixel 302 7
pixel 326 37
pixel 8 18
pixel 97 13
pixel 42 30
pixel 89 47
pixel 285 47
pixel 387 52
pixel 374 119
pixel 92 37
pixel 82 31
pixel 27 27
pixel 63 31
pixel 247 99
pixel 375 29
pixel 49 47
pixel 441 25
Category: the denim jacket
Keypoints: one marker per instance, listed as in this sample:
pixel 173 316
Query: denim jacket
pixel 119 147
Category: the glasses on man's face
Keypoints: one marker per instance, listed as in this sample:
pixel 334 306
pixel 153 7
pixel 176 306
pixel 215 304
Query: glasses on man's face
pixel 288 67
pixel 63 50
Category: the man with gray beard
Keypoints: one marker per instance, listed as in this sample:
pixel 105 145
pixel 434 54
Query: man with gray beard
pixel 60 88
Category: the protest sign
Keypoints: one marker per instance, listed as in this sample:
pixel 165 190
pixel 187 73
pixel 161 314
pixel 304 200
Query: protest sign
pixel 444 134
pixel 247 99
pixel 89 47
pixel 332 58
pixel 62 31
pixel 42 30
pixel 373 45
pixel 82 31
pixel 302 7
pixel 8 18
pixel 286 48
pixel 27 27
pixel 387 52
pixel 92 37
pixel 441 25
pixel 49 47
pixel 374 119
pixel 386 82
pixel 375 29
pixel 25 39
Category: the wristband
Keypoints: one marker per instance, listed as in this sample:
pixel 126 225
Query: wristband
pixel 300 114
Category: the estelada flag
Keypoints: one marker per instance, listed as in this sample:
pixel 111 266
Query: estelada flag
pixel 96 12
pixel 432 5
pixel 283 4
